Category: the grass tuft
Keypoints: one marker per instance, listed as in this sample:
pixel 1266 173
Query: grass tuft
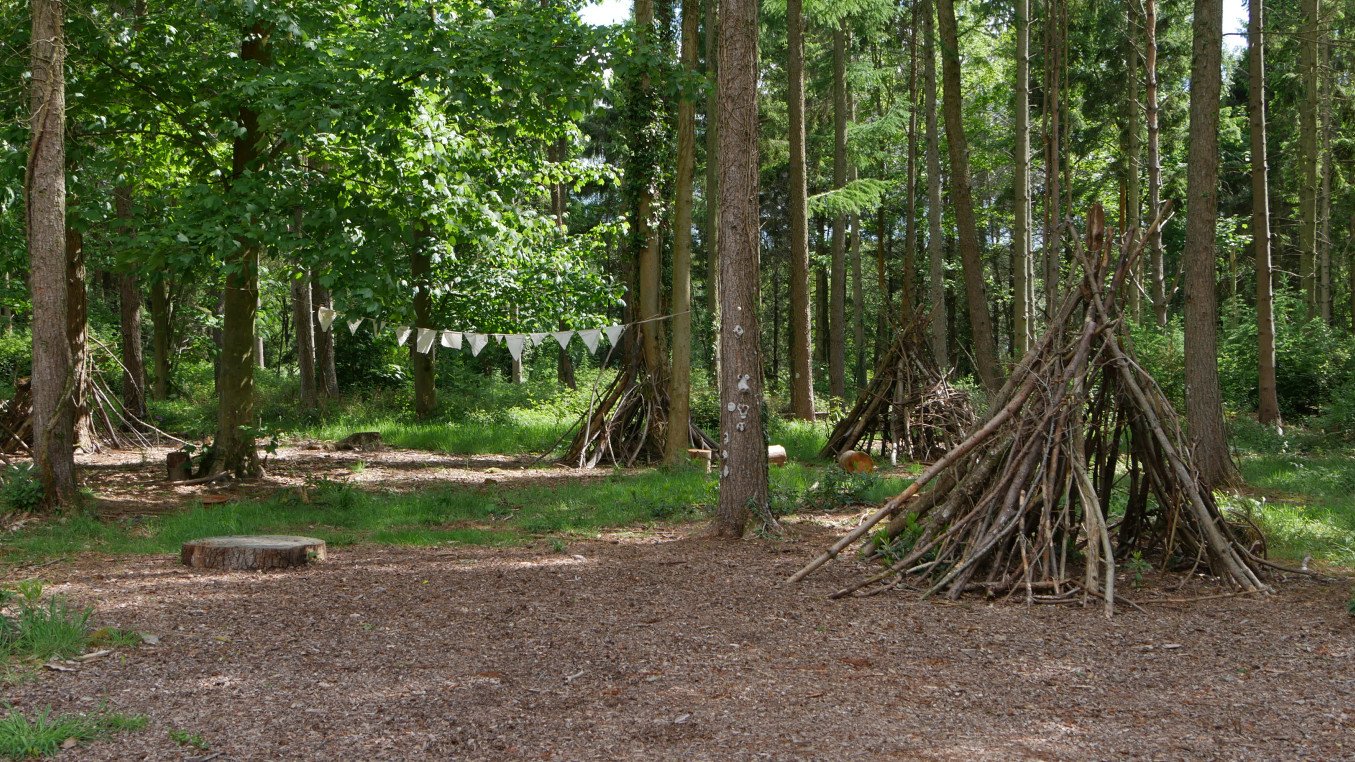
pixel 45 733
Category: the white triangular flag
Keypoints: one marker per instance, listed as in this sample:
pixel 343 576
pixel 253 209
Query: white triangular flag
pixel 353 325
pixel 563 337
pixel 401 334
pixel 537 338
pixel 378 326
pixel 502 337
pixel 326 317
pixel 477 342
pixel 590 339
pixel 613 333
pixel 451 339
pixel 515 342
pixel 425 342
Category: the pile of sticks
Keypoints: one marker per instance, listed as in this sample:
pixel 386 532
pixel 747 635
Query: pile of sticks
pixel 1080 465
pixel 910 407
pixel 625 424
pixel 16 418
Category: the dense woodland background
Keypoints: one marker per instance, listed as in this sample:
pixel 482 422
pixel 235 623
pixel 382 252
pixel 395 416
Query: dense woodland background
pixel 504 167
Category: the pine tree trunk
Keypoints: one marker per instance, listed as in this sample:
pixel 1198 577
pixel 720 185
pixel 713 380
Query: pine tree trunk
pixel 1309 159
pixel 821 310
pixel 1022 262
pixel 980 320
pixel 302 310
pixel 1324 243
pixel 328 378
pixel 234 447
pixel 837 278
pixel 743 443
pixel 858 304
pixel 1157 264
pixel 45 197
pixel 77 333
pixel 161 339
pixel 1204 399
pixel 425 380
pixel 129 317
pixel 801 368
pixel 1053 237
pixel 678 434
pixel 936 273
pixel 1133 197
pixel 908 289
pixel 646 236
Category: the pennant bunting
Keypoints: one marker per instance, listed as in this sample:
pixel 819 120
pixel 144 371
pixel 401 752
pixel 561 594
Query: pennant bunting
pixel 477 342
pixel 537 338
pixel 353 325
pixel 378 327
pixel 590 339
pixel 563 337
pixel 425 342
pixel 325 316
pixel 514 343
pixel 451 339
pixel 401 334
pixel 614 333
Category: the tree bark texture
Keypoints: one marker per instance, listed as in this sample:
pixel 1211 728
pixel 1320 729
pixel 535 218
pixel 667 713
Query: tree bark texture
pixel 45 196
pixel 936 273
pixel 302 311
pixel 129 317
pixel 1268 409
pixel 1132 221
pixel 1204 399
pixel 743 443
pixel 712 186
pixel 801 367
pixel 1309 160
pixel 1023 265
pixel 976 292
pixel 1157 255
pixel 837 277
pixel 161 336
pixel 1053 238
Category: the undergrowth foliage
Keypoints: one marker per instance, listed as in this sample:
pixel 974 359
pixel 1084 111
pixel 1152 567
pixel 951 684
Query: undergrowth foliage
pixel 20 489
pixel 33 628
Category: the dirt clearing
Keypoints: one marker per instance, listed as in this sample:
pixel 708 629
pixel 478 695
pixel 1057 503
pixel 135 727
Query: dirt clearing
pixel 682 647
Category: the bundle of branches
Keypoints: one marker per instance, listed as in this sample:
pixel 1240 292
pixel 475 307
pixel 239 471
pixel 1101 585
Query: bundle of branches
pixel 1080 464
pixel 910 406
pixel 16 418
pixel 625 423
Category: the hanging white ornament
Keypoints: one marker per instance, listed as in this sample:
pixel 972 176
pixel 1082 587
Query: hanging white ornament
pixel 401 334
pixel 614 333
pixel 425 342
pixel 378 327
pixel 477 342
pixel 514 343
pixel 537 338
pixel 353 325
pixel 590 339
pixel 563 337
pixel 325 316
pixel 451 339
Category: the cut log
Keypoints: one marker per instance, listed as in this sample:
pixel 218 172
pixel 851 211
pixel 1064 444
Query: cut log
pixel 854 462
pixel 702 456
pixel 179 466
pixel 251 553
pixel 776 455
pixel 361 440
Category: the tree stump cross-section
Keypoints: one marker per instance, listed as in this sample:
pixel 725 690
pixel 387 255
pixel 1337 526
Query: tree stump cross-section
pixel 252 552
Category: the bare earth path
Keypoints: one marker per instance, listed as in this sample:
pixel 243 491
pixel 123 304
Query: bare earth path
pixel 682 647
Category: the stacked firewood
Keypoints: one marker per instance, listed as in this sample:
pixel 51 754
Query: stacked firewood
pixel 1080 465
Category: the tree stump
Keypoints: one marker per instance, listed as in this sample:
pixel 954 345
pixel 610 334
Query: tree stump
pixel 855 462
pixel 250 553
pixel 776 455
pixel 179 466
pixel 361 440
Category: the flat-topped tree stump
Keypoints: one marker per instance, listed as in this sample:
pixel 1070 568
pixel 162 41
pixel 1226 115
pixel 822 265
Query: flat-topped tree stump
pixel 252 552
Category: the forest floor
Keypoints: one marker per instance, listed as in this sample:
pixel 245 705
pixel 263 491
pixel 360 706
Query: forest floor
pixel 666 644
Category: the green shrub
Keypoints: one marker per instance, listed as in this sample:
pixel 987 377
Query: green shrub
pixel 1313 362
pixel 16 356
pixel 20 489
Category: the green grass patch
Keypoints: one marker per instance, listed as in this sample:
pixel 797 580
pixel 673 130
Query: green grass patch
pixel 1308 506
pixel 45 733
pixel 32 628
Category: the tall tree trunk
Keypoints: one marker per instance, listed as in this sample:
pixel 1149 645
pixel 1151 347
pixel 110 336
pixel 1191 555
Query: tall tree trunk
pixel 302 311
pixel 161 339
pixel 327 377
pixel 1204 399
pixel 678 436
pixel 564 364
pixel 712 187
pixel 1324 243
pixel 858 303
pixel 908 289
pixel 1133 191
pixel 45 198
pixel 129 317
pixel 936 272
pixel 1053 237
pixel 1157 254
pixel 234 447
pixel 837 278
pixel 743 444
pixel 646 238
pixel 77 333
pixel 1309 159
pixel 821 310
pixel 801 368
pixel 1022 262
pixel 425 376
pixel 976 292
